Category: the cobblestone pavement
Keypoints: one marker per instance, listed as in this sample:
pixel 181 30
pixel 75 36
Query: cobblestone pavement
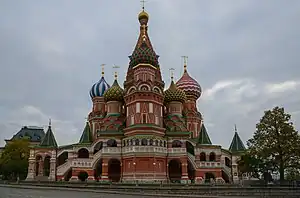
pixel 38 193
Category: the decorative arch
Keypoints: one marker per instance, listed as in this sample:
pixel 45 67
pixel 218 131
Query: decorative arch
pixel 46 166
pixel 227 162
pixel 157 89
pixel 144 142
pixel 114 170
pixel 212 157
pixel 144 85
pixel 83 153
pixel 131 89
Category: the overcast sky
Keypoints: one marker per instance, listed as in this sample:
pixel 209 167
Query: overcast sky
pixel 244 54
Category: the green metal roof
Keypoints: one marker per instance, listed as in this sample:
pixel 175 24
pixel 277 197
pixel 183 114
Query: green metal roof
pixel 236 144
pixel 86 136
pixel 203 137
pixel 49 139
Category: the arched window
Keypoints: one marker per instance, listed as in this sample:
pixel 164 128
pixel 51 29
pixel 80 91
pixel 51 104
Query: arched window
pixel 176 144
pixel 151 142
pixel 83 153
pixel 144 142
pixel 202 157
pixel 212 156
pixel 137 142
pixel 112 143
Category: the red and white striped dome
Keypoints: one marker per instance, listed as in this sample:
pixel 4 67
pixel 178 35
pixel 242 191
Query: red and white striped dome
pixel 189 85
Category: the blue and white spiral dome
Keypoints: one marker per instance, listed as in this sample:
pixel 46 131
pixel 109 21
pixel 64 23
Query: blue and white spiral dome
pixel 99 88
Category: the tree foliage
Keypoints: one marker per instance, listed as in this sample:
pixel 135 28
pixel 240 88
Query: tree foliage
pixel 14 159
pixel 275 143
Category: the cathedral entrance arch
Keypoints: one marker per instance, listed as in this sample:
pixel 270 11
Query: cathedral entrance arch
pixel 209 176
pixel 98 170
pixel 38 165
pixel 114 170
pixel 175 170
pixel 46 170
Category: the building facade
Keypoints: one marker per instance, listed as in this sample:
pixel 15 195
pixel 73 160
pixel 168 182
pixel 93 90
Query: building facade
pixel 140 133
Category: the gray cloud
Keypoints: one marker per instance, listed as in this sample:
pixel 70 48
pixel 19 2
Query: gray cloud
pixel 239 51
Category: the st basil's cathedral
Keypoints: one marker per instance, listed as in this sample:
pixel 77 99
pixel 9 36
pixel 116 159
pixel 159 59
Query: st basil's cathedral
pixel 139 133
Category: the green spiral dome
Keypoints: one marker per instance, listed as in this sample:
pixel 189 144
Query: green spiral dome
pixel 174 94
pixel 114 93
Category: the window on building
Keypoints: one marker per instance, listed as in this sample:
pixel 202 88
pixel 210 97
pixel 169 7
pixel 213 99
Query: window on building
pixel 138 107
pixel 132 120
pixel 156 120
pixel 150 107
pixel 144 118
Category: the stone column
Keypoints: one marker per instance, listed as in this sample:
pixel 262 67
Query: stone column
pixel 91 176
pixel 104 176
pixel 185 176
pixel 41 168
pixel 31 167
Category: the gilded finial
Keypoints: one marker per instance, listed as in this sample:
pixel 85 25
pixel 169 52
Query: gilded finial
pixel 116 73
pixel 185 58
pixel 102 66
pixel 172 73
pixel 235 129
pixel 49 122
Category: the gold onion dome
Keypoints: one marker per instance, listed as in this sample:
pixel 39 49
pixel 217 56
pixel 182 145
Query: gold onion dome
pixel 114 93
pixel 174 94
pixel 143 17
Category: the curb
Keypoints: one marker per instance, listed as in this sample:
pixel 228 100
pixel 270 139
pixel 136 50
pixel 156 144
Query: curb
pixel 100 191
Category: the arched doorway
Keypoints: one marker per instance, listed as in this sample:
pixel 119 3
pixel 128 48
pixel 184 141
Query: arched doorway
pixel 82 176
pixel 191 171
pixel 62 158
pixel 208 177
pixel 38 165
pixel 175 171
pixel 98 170
pixel 83 153
pixel 46 171
pixel 225 177
pixel 68 175
pixel 114 170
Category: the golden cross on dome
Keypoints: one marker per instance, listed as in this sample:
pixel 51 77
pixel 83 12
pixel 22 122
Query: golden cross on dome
pixel 185 58
pixel 143 4
pixel 116 73
pixel 49 121
pixel 102 66
pixel 172 73
pixel 235 130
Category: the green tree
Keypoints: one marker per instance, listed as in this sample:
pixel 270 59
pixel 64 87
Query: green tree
pixel 275 143
pixel 250 165
pixel 14 159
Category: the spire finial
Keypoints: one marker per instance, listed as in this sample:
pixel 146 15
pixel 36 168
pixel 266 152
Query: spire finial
pixel 86 119
pixel 143 4
pixel 235 129
pixel 185 58
pixel 49 122
pixel 172 73
pixel 116 73
pixel 102 66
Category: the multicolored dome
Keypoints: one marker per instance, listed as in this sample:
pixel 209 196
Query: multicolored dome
pixel 189 85
pixel 115 93
pixel 143 54
pixel 174 94
pixel 99 88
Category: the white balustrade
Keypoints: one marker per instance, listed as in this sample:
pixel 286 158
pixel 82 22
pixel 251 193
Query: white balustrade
pixel 62 169
pixel 83 163
pixel 176 150
pixel 192 160
pixel 209 164
pixel 144 149
pixel 111 150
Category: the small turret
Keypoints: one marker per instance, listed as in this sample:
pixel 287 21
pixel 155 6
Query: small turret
pixel 237 144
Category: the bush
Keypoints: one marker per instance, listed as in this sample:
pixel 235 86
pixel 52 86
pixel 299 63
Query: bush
pixel 82 176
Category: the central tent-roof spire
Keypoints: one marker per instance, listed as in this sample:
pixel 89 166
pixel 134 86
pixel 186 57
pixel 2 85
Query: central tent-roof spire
pixel 143 52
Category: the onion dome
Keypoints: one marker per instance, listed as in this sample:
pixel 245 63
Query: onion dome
pixel 189 85
pixel 143 17
pixel 174 94
pixel 99 88
pixel 114 93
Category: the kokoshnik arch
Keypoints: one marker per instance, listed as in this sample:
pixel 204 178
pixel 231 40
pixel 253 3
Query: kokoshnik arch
pixel 139 133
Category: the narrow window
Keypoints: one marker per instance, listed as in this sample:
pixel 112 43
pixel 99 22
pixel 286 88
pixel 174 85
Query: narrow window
pixel 156 120
pixel 150 107
pixel 132 120
pixel 144 118
pixel 138 107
